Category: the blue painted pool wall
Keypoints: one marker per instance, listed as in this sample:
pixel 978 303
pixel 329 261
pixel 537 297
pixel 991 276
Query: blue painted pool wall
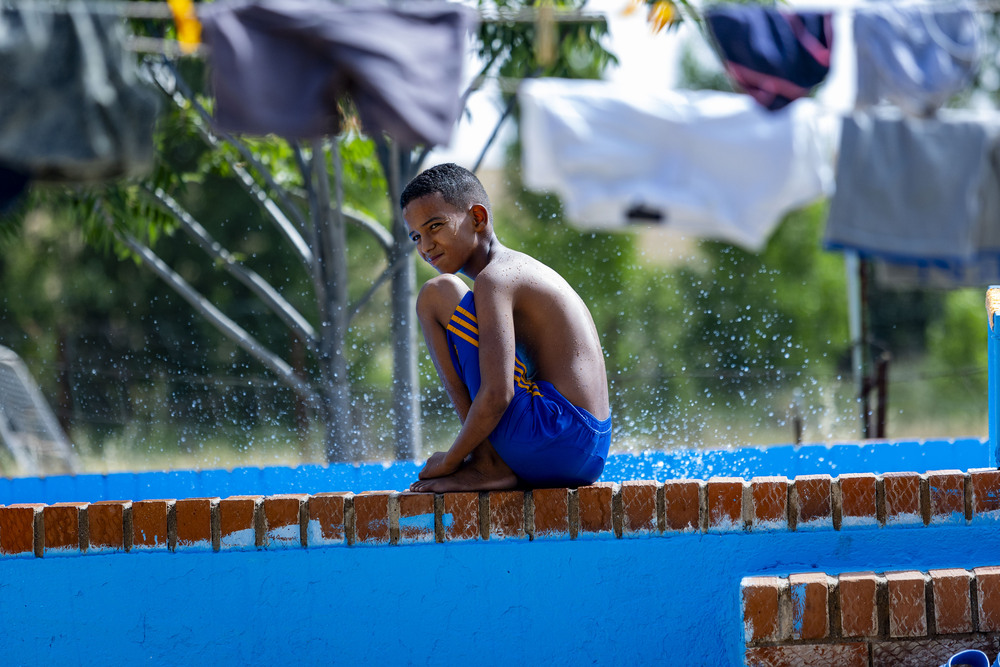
pixel 659 600
pixel 787 460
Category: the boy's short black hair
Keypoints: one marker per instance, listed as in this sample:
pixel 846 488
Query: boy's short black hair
pixel 457 185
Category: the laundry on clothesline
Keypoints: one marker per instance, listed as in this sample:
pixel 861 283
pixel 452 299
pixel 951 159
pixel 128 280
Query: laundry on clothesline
pixel 13 185
pixel 774 56
pixel 281 66
pixel 73 108
pixel 706 164
pixel 922 194
pixel 915 57
pixel 937 275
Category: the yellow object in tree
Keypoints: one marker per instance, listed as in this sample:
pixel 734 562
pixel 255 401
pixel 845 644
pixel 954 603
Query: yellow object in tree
pixel 661 14
pixel 188 25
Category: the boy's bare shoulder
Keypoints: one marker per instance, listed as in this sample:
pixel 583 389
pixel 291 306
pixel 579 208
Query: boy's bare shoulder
pixel 513 267
pixel 508 271
pixel 527 282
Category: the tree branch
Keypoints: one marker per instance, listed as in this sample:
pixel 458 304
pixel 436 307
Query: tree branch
pixel 320 288
pixel 385 275
pixel 246 179
pixel 220 320
pixel 353 216
pixel 243 149
pixel 369 224
pixel 263 289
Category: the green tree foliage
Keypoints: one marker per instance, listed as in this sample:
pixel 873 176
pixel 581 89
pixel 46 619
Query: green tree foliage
pixel 211 217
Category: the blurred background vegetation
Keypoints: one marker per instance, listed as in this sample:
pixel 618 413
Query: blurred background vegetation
pixel 707 345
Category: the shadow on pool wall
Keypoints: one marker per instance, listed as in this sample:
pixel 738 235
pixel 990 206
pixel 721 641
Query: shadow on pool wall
pixel 623 571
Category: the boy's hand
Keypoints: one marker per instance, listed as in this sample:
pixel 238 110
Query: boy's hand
pixel 437 466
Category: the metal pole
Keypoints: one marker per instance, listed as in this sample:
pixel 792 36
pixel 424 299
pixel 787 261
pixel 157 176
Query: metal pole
pixel 993 360
pixel 852 265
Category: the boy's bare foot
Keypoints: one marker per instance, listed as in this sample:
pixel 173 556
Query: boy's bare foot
pixel 486 471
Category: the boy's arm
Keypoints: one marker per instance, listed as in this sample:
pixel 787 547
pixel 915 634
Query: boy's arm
pixel 495 315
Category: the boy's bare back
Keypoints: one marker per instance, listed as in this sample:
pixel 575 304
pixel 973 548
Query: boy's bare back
pixel 552 326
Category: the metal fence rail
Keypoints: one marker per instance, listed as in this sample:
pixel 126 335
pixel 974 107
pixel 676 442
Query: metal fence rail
pixel 28 428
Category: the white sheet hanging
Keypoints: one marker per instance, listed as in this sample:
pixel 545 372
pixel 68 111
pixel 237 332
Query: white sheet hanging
pixel 707 164
pixel 921 195
pixel 915 57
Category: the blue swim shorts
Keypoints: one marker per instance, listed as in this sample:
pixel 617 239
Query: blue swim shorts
pixel 545 439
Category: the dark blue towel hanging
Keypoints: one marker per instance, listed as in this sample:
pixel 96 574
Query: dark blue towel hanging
pixel 12 186
pixel 775 57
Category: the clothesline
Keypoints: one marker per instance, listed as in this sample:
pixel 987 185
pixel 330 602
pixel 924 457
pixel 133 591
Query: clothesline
pixel 162 11
pixel 985 6
pixel 157 10
pixel 172 48
pixel 167 47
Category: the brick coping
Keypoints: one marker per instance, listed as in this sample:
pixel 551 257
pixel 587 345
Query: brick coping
pixel 868 618
pixel 638 508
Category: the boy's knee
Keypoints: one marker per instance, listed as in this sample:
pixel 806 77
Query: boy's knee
pixel 441 295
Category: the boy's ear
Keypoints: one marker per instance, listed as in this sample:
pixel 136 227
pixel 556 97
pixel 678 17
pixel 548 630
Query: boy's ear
pixel 480 216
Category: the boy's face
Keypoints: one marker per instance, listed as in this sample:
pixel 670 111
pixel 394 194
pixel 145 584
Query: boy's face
pixel 445 235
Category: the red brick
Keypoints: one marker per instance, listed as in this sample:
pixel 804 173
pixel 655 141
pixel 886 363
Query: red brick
pixel 17 529
pixel 682 504
pixel 858 495
pixel 106 525
pixel 902 497
pixel 770 501
pixel 595 508
pixel 506 514
pixel 858 604
pixel 416 517
pixel 551 513
pixel 810 595
pixel 461 516
pixel 371 517
pixel 639 507
pixel 194 522
pixel 988 592
pixel 725 503
pixel 814 655
pixel 952 606
pixel 283 515
pixel 947 496
pixel 62 527
pixel 761 609
pixel 241 522
pixel 907 604
pixel 326 518
pixel 813 492
pixel 929 652
pixel 149 523
pixel 985 491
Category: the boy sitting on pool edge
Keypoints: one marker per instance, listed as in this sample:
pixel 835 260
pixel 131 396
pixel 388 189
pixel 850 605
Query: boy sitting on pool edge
pixel 519 354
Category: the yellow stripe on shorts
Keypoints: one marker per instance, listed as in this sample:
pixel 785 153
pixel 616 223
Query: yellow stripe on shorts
pixel 461 334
